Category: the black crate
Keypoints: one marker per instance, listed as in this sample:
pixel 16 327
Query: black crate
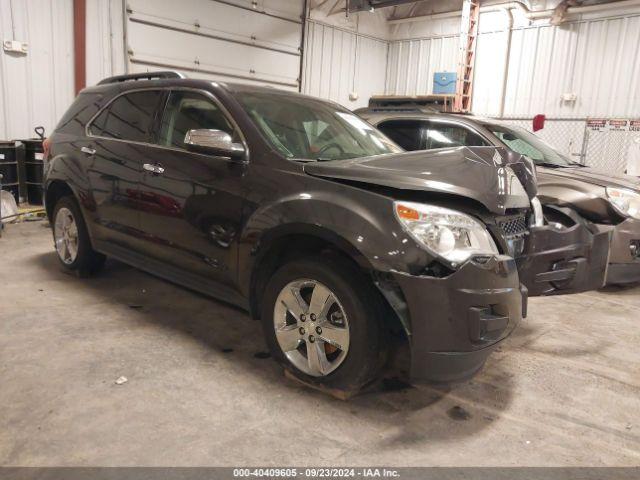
pixel 7 152
pixel 34 194
pixel 34 172
pixel 33 150
pixel 9 172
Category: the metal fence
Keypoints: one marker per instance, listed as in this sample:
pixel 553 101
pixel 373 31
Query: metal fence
pixel 606 147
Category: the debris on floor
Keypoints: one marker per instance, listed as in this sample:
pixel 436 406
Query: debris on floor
pixel 121 380
pixel 262 355
pixel 394 384
pixel 458 413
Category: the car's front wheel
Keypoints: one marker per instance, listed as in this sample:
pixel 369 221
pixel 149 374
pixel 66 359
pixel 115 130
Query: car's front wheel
pixel 71 238
pixel 322 320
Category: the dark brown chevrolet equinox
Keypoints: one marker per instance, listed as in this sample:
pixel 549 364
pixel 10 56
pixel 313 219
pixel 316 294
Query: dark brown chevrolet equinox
pixel 298 211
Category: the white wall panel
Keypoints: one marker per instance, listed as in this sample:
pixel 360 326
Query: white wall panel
pixel 338 62
pixel 36 88
pixel 598 60
pixel 412 64
pixel 218 39
pixel 105 42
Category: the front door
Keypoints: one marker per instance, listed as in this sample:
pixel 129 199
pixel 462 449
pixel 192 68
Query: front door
pixel 193 202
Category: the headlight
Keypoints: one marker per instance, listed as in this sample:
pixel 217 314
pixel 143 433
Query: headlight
pixel 627 202
pixel 450 234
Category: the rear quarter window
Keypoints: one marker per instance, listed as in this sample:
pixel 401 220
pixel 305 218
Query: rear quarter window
pixel 83 108
pixel 128 117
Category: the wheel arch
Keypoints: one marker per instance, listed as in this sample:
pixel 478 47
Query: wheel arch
pixel 55 190
pixel 275 249
pixel 286 242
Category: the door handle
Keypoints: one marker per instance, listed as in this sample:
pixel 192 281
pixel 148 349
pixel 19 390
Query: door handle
pixel 153 168
pixel 88 150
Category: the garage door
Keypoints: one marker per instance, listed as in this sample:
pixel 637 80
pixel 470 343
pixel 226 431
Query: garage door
pixel 233 40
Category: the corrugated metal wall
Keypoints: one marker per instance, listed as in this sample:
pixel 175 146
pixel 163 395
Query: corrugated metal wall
pixel 36 87
pixel 412 64
pixel 230 40
pixel 598 60
pixel 338 62
pixel 105 40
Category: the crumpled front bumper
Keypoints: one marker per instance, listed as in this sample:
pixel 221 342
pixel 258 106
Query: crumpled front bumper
pixel 562 261
pixel 624 259
pixel 455 322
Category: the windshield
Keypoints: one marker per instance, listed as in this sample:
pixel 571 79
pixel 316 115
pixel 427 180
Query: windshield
pixel 526 143
pixel 303 128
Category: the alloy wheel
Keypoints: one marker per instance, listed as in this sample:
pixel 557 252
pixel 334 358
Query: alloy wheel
pixel 311 327
pixel 65 234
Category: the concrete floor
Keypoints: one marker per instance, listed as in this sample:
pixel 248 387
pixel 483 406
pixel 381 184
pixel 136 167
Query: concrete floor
pixel 563 390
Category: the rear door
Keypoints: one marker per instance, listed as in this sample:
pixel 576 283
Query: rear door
pixel 117 147
pixel 193 201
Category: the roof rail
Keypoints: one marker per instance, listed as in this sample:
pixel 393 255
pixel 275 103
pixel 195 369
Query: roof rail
pixel 428 103
pixel 141 76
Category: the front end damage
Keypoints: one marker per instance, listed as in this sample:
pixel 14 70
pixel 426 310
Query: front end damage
pixel 556 260
pixel 624 257
pixel 562 261
pixel 454 323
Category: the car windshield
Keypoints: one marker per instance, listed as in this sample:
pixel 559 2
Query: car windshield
pixel 302 128
pixel 526 143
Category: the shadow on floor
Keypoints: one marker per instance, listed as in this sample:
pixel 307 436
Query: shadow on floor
pixel 228 331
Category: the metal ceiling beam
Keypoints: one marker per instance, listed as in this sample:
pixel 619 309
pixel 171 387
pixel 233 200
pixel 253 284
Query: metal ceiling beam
pixel 365 5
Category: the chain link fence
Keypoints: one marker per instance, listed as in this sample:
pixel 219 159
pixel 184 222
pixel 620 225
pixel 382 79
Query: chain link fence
pixel 605 148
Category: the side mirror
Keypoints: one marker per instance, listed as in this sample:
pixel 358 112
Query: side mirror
pixel 214 142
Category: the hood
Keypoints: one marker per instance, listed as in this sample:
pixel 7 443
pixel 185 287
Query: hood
pixel 591 176
pixel 478 173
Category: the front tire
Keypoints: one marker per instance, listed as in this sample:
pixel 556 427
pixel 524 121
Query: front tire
pixel 71 238
pixel 322 322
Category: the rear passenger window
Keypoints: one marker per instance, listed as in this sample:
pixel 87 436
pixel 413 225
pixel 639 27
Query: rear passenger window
pixel 128 117
pixel 442 135
pixel 190 111
pixel 406 133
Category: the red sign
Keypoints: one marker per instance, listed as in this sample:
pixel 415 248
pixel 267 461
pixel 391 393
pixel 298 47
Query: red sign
pixel 597 124
pixel 618 125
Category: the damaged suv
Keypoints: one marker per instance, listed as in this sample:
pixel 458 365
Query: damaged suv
pixel 570 251
pixel 296 210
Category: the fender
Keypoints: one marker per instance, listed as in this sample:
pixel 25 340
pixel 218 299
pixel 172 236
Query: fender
pixel 352 222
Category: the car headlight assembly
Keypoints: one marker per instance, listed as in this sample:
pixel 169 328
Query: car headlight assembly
pixel 627 202
pixel 450 234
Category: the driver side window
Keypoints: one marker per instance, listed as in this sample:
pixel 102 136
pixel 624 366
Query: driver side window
pixel 190 111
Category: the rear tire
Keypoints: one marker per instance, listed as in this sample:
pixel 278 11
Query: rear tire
pixel 329 309
pixel 71 238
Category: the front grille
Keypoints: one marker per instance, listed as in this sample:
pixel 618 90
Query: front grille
pixel 513 226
